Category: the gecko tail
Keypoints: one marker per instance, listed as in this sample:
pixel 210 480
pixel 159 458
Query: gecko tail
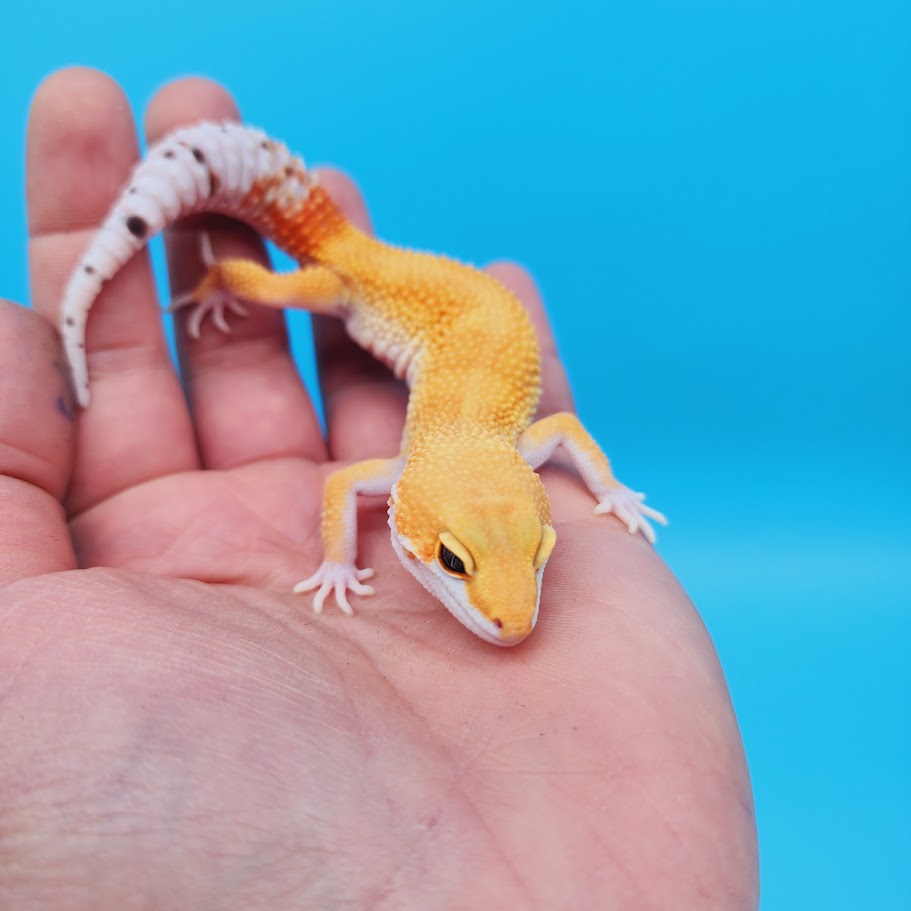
pixel 221 168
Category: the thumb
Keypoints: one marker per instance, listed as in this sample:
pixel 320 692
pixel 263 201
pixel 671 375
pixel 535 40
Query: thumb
pixel 37 424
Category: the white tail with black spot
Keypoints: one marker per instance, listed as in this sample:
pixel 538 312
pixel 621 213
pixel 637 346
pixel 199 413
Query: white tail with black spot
pixel 209 167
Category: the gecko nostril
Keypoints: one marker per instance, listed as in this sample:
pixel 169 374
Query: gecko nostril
pixel 498 622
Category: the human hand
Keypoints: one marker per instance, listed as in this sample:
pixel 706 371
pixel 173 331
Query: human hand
pixel 179 731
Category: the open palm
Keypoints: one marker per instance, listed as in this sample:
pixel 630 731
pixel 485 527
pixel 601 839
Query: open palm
pixel 181 732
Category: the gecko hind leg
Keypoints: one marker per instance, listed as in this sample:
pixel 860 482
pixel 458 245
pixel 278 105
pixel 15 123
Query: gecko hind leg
pixel 208 297
pixel 229 284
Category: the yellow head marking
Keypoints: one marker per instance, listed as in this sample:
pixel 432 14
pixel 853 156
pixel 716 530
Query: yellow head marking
pixel 478 521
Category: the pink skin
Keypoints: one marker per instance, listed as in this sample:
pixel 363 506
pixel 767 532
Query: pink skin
pixel 181 732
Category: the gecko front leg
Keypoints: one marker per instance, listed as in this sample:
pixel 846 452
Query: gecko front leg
pixel 538 443
pixel 338 574
pixel 318 289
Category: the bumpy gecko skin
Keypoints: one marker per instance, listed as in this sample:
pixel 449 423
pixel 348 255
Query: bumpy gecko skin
pixel 468 514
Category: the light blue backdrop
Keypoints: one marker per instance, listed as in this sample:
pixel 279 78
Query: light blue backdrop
pixel 716 198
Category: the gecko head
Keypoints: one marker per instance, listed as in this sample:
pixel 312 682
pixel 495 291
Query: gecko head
pixel 476 533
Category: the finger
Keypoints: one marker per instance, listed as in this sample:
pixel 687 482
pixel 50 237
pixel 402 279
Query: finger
pixel 36 447
pixel 81 147
pixel 363 402
pixel 247 398
pixel 555 391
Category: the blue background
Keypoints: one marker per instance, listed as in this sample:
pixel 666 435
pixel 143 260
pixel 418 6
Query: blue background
pixel 716 200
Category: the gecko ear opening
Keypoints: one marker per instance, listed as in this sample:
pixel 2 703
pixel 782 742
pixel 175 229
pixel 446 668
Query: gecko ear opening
pixel 548 539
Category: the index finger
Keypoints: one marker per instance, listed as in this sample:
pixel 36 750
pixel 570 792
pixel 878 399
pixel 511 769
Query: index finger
pixel 36 447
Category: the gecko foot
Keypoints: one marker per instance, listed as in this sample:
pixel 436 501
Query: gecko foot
pixel 209 297
pixel 629 508
pixel 337 578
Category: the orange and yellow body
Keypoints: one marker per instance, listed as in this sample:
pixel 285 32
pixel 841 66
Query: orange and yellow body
pixel 468 514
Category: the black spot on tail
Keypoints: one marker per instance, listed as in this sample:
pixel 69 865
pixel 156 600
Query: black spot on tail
pixel 137 226
pixel 89 270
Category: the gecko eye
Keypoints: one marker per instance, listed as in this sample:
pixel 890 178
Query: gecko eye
pixel 450 561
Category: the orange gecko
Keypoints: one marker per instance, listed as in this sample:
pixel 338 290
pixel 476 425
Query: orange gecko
pixel 468 513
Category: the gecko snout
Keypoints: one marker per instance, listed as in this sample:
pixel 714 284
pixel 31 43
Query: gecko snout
pixel 515 635
pixel 511 633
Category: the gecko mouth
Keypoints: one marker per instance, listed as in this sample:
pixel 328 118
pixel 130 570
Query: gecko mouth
pixel 491 630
